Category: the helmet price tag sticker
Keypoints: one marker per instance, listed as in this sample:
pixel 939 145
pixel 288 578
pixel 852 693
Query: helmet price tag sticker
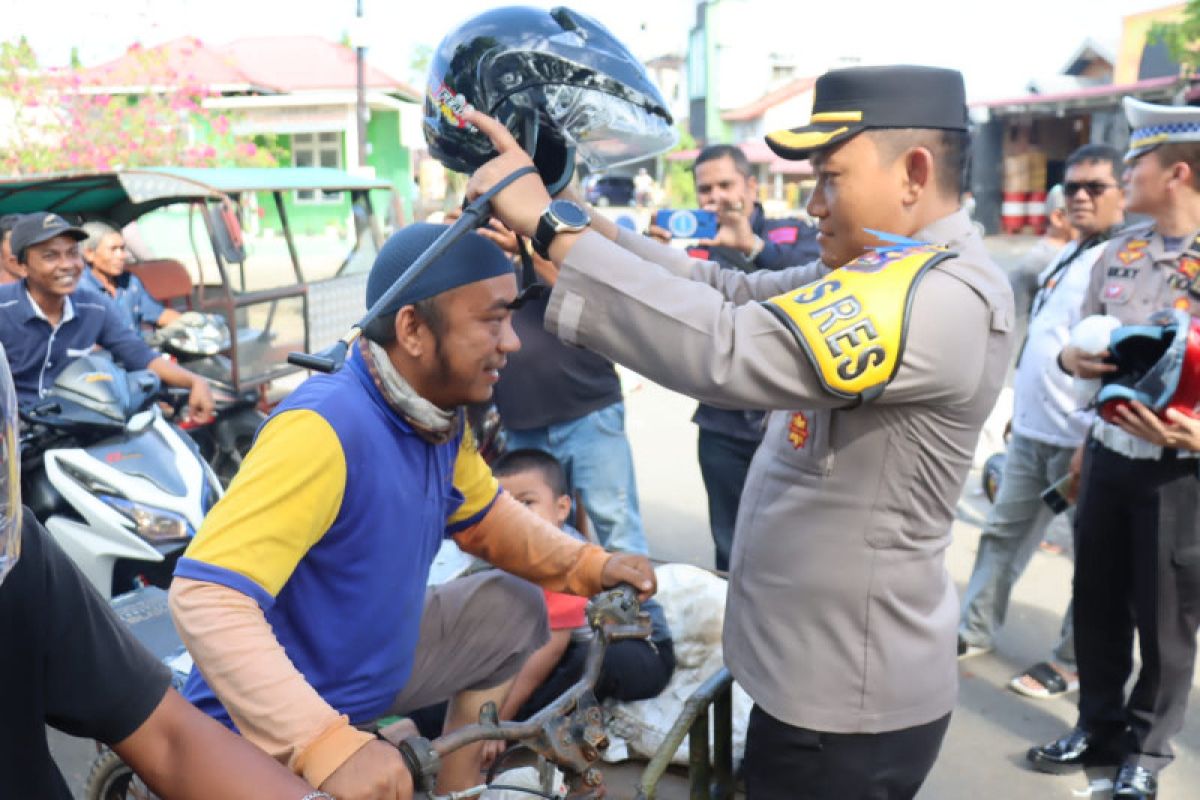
pixel 452 106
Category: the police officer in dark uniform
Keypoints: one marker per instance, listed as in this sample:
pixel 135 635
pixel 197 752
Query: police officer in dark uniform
pixel 1137 528
pixel 748 241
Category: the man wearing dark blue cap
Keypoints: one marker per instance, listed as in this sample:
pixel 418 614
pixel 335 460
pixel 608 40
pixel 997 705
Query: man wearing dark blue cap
pixel 879 364
pixel 303 597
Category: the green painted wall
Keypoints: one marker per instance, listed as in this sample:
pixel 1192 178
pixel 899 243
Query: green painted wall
pixel 716 11
pixel 306 219
pixel 390 158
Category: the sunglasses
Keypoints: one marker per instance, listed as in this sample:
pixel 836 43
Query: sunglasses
pixel 1093 188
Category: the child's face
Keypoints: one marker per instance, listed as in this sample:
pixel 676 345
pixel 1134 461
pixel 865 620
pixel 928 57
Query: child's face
pixel 530 488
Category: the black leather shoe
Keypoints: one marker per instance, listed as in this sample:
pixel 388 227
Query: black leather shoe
pixel 1135 783
pixel 1079 748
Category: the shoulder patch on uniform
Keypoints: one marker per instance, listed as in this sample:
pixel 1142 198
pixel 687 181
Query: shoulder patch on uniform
pixel 1132 250
pixel 852 323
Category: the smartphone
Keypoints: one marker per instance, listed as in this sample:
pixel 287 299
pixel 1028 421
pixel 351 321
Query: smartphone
pixel 1056 496
pixel 687 223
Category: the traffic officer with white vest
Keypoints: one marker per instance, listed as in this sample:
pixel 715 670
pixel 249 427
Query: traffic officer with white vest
pixel 879 363
pixel 1137 526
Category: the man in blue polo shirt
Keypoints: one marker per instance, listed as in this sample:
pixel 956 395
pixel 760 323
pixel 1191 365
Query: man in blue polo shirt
pixel 104 251
pixel 46 320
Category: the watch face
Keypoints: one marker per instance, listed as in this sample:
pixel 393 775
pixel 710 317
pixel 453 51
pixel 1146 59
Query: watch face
pixel 570 214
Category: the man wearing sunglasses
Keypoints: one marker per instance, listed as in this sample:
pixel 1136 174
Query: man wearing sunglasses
pixel 1047 426
pixel 1137 526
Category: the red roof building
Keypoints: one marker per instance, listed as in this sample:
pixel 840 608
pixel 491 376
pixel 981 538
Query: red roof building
pixel 257 65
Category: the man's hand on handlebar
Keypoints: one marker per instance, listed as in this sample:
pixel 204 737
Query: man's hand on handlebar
pixel 375 772
pixel 200 401
pixel 632 569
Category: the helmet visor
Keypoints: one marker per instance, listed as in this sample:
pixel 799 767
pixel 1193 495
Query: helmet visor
pixel 606 130
pixel 10 473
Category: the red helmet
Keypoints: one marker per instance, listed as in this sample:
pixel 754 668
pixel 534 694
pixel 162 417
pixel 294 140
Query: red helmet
pixel 1158 364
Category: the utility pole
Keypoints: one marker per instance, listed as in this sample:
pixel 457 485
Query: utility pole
pixel 361 103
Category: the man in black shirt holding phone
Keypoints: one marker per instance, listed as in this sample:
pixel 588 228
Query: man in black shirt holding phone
pixel 745 240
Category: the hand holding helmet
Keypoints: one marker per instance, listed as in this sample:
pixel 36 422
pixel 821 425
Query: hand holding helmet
pixel 521 203
pixel 1180 431
pixel 1156 371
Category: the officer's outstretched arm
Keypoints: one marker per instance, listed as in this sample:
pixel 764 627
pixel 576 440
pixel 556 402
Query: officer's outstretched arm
pixel 690 338
pixel 736 286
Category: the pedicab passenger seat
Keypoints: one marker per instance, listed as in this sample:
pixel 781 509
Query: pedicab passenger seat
pixel 166 280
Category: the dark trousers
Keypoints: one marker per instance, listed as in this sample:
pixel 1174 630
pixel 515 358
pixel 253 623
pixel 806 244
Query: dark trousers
pixel 1137 567
pixel 724 462
pixel 632 670
pixel 784 762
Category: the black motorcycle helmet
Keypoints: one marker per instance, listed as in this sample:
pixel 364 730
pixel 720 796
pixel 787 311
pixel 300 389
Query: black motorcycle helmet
pixel 560 82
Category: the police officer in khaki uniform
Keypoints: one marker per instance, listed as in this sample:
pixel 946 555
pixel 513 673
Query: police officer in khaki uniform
pixel 879 363
pixel 1137 527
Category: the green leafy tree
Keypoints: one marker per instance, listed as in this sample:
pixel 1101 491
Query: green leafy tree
pixel 61 119
pixel 1182 38
pixel 678 182
pixel 418 64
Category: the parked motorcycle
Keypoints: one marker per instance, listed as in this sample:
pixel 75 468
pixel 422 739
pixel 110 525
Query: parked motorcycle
pixel 198 341
pixel 120 489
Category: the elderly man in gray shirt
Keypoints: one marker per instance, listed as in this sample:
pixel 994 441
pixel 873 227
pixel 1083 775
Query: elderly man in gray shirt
pixel 879 364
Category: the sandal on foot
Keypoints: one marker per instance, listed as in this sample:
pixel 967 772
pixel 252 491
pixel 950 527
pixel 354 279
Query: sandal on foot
pixel 1042 681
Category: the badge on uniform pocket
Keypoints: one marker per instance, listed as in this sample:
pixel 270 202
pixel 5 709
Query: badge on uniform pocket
pixel 798 430
pixel 1116 293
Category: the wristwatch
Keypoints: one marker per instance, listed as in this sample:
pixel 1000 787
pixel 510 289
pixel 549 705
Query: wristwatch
pixel 561 216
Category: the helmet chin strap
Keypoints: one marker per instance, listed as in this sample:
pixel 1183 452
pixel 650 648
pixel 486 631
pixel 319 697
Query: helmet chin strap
pixel 474 215
pixel 531 287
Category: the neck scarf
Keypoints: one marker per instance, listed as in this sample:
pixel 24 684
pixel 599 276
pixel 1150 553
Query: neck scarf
pixel 433 424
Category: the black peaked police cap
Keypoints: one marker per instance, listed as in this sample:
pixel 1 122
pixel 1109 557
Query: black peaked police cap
pixel 847 102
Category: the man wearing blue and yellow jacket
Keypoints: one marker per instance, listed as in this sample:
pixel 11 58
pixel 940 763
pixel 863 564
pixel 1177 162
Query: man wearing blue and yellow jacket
pixel 303 597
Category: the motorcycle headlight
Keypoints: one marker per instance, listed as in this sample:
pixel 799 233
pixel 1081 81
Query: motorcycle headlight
pixel 155 525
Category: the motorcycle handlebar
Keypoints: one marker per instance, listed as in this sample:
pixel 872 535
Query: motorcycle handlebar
pixel 569 731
